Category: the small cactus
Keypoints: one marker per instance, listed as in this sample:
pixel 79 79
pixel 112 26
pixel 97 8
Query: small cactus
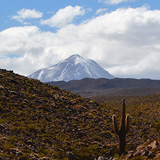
pixel 123 130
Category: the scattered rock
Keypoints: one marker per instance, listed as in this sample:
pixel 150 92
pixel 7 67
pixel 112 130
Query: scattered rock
pixel 1 87
pixel 139 152
pixel 158 155
pixel 144 151
pixel 34 156
pixel 154 144
pixel 16 151
pixel 129 155
pixel 3 138
pixel 101 158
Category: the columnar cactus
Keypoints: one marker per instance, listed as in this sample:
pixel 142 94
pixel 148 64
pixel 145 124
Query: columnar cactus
pixel 122 131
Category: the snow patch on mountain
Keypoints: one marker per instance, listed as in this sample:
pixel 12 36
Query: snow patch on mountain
pixel 73 68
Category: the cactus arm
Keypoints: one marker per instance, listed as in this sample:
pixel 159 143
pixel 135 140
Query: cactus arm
pixel 127 124
pixel 115 126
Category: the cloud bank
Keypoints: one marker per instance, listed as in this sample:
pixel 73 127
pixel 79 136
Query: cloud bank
pixel 125 42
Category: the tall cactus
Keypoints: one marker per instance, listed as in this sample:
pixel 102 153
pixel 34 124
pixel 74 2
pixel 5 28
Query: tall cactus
pixel 122 131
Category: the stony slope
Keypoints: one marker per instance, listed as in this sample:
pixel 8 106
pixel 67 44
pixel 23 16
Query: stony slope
pixel 144 114
pixel 43 120
pixel 38 121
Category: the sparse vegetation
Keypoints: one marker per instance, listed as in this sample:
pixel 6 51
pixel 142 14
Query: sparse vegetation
pixel 37 120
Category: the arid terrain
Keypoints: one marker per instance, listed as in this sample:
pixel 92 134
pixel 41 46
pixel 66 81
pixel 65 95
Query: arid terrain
pixel 38 121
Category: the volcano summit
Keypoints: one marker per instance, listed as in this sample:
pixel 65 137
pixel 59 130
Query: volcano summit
pixel 73 68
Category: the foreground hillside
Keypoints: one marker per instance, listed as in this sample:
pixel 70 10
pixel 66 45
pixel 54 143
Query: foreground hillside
pixel 144 114
pixel 39 121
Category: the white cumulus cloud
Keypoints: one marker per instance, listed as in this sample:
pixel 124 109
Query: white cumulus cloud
pixel 24 14
pixel 64 16
pixel 125 42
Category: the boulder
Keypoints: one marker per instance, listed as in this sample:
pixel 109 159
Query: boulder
pixel 154 144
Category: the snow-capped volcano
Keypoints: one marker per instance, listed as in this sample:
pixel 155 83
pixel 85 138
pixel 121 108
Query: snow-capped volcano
pixel 73 68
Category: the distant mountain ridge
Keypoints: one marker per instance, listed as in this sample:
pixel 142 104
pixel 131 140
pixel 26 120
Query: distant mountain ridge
pixel 73 68
pixel 117 86
pixel 103 83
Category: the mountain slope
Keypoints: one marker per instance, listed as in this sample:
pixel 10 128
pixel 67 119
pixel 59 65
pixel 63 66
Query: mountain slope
pixel 74 67
pixel 117 86
pixel 37 121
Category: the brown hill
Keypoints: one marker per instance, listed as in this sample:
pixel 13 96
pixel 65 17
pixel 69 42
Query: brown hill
pixel 37 121
pixel 118 86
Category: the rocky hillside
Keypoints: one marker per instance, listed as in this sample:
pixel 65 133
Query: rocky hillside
pixel 144 114
pixel 39 122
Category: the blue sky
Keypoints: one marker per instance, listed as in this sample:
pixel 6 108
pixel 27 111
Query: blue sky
pixel 49 7
pixel 121 35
